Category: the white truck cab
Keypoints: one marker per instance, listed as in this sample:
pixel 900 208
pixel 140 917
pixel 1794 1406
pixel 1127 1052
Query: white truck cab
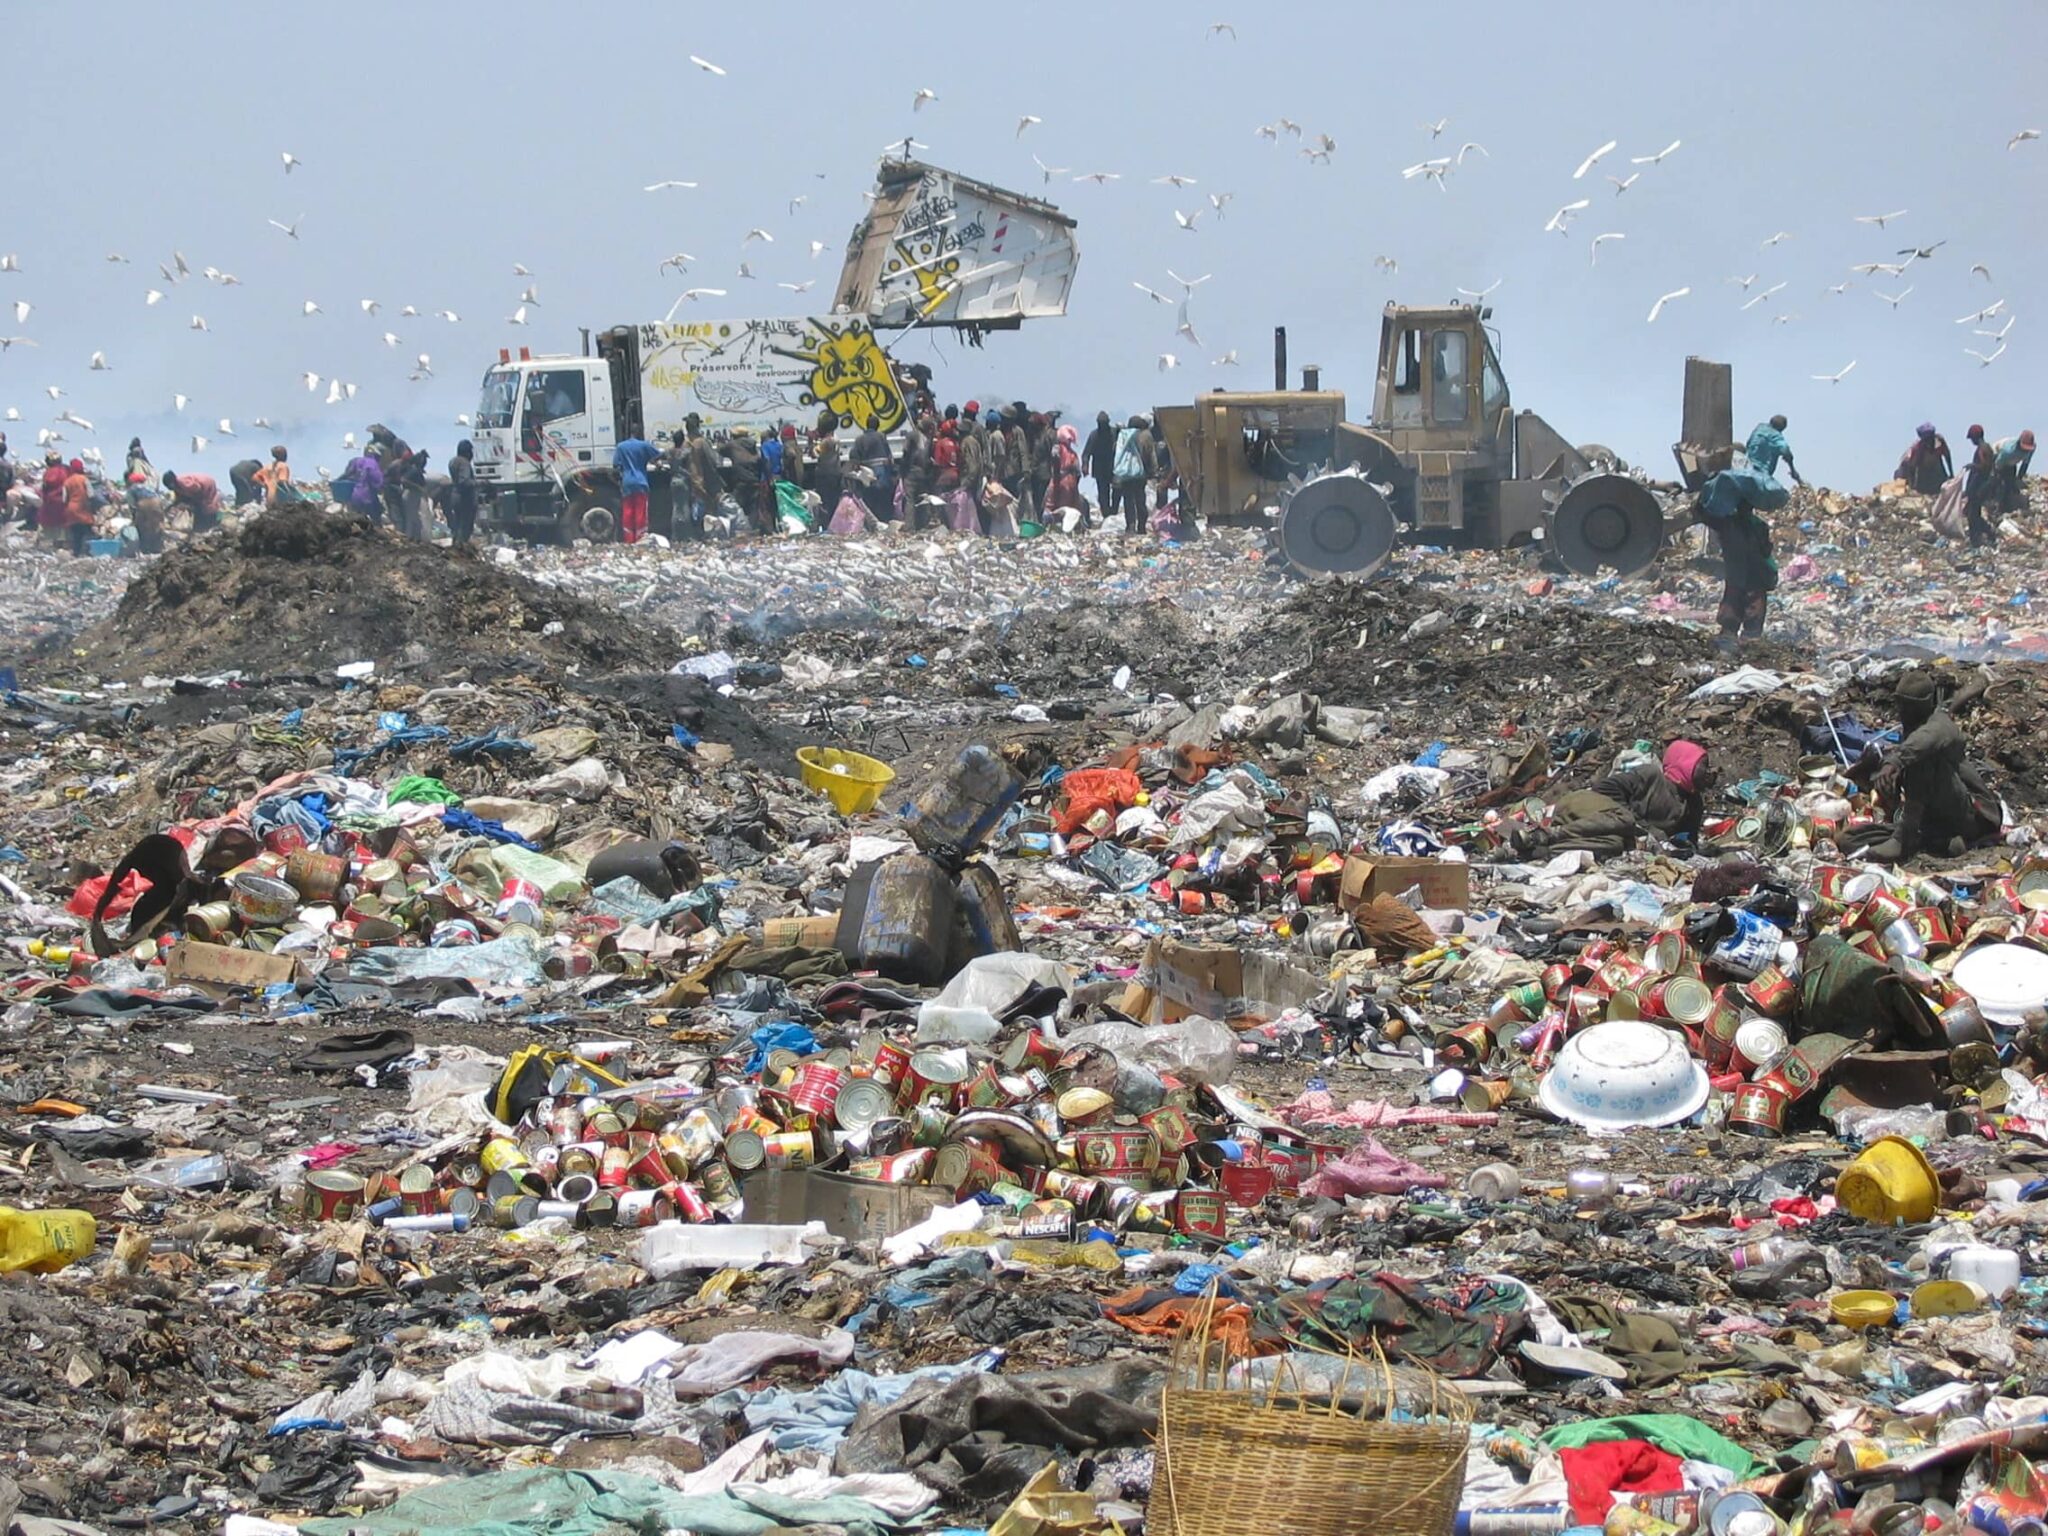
pixel 539 422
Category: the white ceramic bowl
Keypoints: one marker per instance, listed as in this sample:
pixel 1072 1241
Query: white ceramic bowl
pixel 2006 980
pixel 1623 1073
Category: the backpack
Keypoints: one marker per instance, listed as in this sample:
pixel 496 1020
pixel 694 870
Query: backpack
pixel 1129 465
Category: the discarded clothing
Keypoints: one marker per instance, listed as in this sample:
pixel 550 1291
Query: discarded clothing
pixel 1458 1329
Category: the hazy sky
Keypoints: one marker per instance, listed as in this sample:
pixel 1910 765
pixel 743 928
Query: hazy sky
pixel 442 143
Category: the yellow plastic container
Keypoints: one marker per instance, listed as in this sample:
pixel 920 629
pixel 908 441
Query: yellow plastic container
pixel 44 1242
pixel 1864 1309
pixel 852 783
pixel 1947 1298
pixel 1891 1182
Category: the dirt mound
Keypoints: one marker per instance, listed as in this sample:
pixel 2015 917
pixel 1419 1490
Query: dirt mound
pixel 300 590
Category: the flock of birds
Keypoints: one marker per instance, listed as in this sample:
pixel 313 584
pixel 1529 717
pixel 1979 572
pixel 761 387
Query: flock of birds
pixel 1991 322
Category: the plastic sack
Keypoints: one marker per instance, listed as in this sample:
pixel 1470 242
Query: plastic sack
pixel 1194 1049
pixel 557 881
pixel 585 779
pixel 1088 790
pixel 994 982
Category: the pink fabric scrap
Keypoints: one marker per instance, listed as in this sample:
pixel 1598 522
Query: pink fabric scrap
pixel 1369 1169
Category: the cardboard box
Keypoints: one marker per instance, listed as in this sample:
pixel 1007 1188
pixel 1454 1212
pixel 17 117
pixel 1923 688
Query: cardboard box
pixel 804 932
pixel 1446 883
pixel 1217 982
pixel 220 968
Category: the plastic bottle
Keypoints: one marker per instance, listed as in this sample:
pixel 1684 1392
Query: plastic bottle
pixel 43 1242
pixel 1778 1266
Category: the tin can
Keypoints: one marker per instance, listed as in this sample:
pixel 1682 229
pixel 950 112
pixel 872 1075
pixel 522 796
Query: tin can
pixel 1170 1127
pixel 1291 1164
pixel 1200 1213
pixel 417 1190
pixel 564 1121
pixel 928 1125
pixel 607 1126
pixel 1245 1185
pixel 501 1154
pixel 1482 1094
pixel 1622 971
pixel 982 1090
pixel 786 1150
pixel 210 921
pixel 614 1169
pixel 816 1088
pixel 1583 1006
pixel 1467 1045
pixel 333 1194
pixel 930 1075
pixel 891 1061
pixel 1678 1000
pixel 967 1166
pixel 1771 992
pixel 695 1137
pixel 862 1102
pixel 1760 1044
pixel 895 1167
pixel 1757 1109
pixel 718 1184
pixel 1669 954
pixel 1517 1005
pixel 1086 1195
pixel 317 877
pixel 1557 977
pixel 690 1203
pixel 642 1208
pixel 505 1210
pixel 1117 1154
pixel 467 1171
pixel 1880 911
pixel 519 902
pixel 576 1188
pixel 533 1209
pixel 581 1158
pixel 1717 1038
pixel 462 1203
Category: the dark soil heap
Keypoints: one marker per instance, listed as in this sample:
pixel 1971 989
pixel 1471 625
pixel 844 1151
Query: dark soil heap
pixel 301 590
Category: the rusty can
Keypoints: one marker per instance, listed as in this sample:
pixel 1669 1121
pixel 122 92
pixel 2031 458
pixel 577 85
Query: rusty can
pixel 581 1158
pixel 1482 1094
pixel 1117 1154
pixel 333 1194
pixel 928 1125
pixel 642 1207
pixel 1757 1109
pixel 1170 1125
pixel 786 1150
pixel 614 1169
pixel 501 1154
pixel 1467 1045
pixel 210 921
pixel 317 877
pixel 816 1088
pixel 1200 1213
pixel 718 1184
pixel 967 1166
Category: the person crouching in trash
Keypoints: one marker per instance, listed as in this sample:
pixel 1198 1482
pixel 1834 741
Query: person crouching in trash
pixel 1939 802
pixel 1665 800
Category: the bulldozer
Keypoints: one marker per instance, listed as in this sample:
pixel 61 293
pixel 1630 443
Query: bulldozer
pixel 1446 459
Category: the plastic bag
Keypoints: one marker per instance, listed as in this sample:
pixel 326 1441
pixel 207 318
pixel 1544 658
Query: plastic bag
pixel 1194 1049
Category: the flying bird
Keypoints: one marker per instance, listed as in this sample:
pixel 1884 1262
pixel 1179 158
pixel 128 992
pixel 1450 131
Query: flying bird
pixel 1999 334
pixel 7 342
pixel 1598 240
pixel 1386 264
pixel 1482 293
pixel 261 423
pixel 409 310
pixel 1099 177
pixel 520 269
pixel 1027 121
pixel 1267 131
pixel 1894 299
pixel 369 306
pixel 923 95
pixel 1152 293
pixel 1922 252
pixel 1325 146
pixel 1222 26
pixel 310 307
pixel 198 323
pixel 1986 360
pixel 667 186
pixel 1776 288
pixel 1217 200
pixel 1289 125
pixel 335 393
pixel 198 443
pixel 1186 220
pixel 178 261
pixel 312 382
pixel 54 391
pixel 1841 287
pixel 291 161
pixel 1657 308
pixel 1167 360
pixel 99 363
pixel 292 229
pixel 1189 284
pixel 227 428
pixel 2021 137
pixel 1743 282
pixel 447 314
pixel 75 419
pixel 1050 171
pixel 1783 319
pixel 1594 159
pixel 757 233
pixel 746 269
pixel 392 338
pixel 706 65
pixel 1979 269
pixel 697 293
pixel 1471 144
pixel 1227 360
pixel 1186 327
pixel 531 294
pixel 1173 179
pixel 1778 239
pixel 1889 269
pixel 1622 184
pixel 803 287
pixel 1435 130
pixel 1560 221
pixel 1983 314
pixel 1881 219
pixel 179 402
pixel 10 263
pixel 517 317
pixel 1657 158
pixel 117 256
pixel 21 310
pixel 817 249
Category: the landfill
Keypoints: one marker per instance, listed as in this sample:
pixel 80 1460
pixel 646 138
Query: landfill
pixel 1067 1035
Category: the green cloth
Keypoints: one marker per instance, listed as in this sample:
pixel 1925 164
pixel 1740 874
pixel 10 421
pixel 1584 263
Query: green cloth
pixel 418 789
pixel 1674 1432
pixel 546 1501
pixel 1650 1347
pixel 792 963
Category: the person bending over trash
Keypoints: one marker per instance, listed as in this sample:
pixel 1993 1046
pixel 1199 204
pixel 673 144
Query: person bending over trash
pixel 1940 804
pixel 1666 800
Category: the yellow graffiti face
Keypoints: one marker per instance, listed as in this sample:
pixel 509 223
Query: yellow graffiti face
pixel 850 375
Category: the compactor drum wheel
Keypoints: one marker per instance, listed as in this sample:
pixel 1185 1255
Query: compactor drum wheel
pixel 1607 521
pixel 1337 523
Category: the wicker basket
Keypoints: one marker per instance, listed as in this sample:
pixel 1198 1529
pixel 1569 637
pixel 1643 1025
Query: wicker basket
pixel 1240 1458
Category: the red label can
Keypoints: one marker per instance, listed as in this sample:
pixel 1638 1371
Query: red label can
pixel 1466 1045
pixel 891 1061
pixel 1170 1124
pixel 1200 1213
pixel 1758 1109
pixel 816 1088
pixel 1771 992
pixel 967 1167
pixel 1116 1154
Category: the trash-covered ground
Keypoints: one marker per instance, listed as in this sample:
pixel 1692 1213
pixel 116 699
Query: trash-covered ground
pixel 501 1082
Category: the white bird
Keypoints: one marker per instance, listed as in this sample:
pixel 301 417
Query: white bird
pixel 1050 171
pixel 99 363
pixel 1881 219
pixel 1561 220
pixel 1894 298
pixel 520 269
pixel 291 161
pixel 1173 179
pixel 198 443
pixel 117 256
pixel 901 148
pixel 409 310
pixel 369 306
pixel 291 229
pixel 803 287
pixel 758 234
pixel 1914 253
pixel 517 317
pixel 1594 159
pixel 1186 327
pixel 1324 147
pixel 1426 168
pixel 1186 220
pixel 2021 137
pixel 178 261
pixel 13 414
pixel 1267 131
pixel 179 402
pixel 1217 200
pixel 1783 319
pixel 1999 334
pixel 1386 264
pixel 668 186
pixel 310 307
pixel 154 296
pixel 1983 314
pixel 1436 129
pixel 1099 177
pixel 1776 288
pixel 462 418
pixel 424 364
pixel 10 263
pixel 447 314
pixel 706 65
pixel 1167 360
pixel 1743 282
pixel 1984 360
pixel 1027 121
pixel 1483 292
pixel 1598 240
pixel 54 391
pixel 531 295
pixel 1779 238
pixel 335 394
pixel 817 249
pixel 21 310
pixel 1471 144
pixel 1222 26
pixel 924 94
pixel 392 338
pixel 746 269
pixel 796 203
pixel 227 428
pixel 1657 158
pixel 1890 269
pixel 1189 284
pixel 198 323
pixel 1979 268
pixel 1842 287
pixel 1657 308
pixel 312 381
pixel 1622 184
pixel 1227 360
pixel 695 293
pixel 680 261
pixel 75 419
pixel 229 280
pixel 1152 293
pixel 261 423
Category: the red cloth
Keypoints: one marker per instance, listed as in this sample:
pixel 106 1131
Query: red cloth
pixel 50 514
pixel 1594 1473
pixel 633 517
pixel 1681 759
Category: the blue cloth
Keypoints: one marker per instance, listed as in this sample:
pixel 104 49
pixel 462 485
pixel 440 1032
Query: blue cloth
pixel 817 1420
pixel 1766 446
pixel 630 460
pixel 779 1037
pixel 1730 491
pixel 491 744
pixel 771 458
pixel 455 819
pixel 282 811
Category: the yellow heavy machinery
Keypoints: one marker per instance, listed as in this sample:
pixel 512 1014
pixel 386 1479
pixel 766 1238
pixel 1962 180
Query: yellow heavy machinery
pixel 1446 459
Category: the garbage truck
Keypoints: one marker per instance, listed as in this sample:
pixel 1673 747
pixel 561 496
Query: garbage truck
pixel 1446 457
pixel 934 250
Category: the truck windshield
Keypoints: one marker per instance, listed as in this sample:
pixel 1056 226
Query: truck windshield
pixel 501 394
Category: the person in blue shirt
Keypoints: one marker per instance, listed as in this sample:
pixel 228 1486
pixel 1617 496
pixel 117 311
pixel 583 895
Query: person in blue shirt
pixel 631 459
pixel 1730 503
pixel 1767 445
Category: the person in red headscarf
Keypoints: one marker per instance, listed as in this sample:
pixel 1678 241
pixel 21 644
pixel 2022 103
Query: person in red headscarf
pixel 50 511
pixel 1666 800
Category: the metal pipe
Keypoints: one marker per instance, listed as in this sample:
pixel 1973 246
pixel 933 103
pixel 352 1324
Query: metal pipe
pixel 1279 357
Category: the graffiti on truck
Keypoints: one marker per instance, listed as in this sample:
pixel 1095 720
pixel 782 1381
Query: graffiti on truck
pixel 760 372
pixel 931 241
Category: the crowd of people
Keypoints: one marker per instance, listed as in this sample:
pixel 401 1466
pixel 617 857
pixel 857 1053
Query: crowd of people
pixel 1990 485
